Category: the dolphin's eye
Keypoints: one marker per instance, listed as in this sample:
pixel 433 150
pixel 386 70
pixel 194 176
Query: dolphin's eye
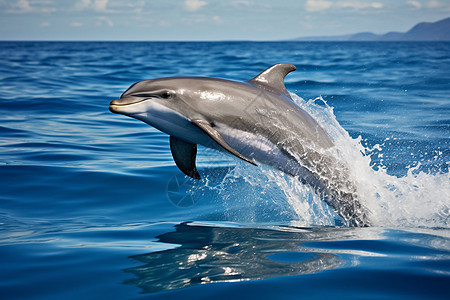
pixel 156 94
pixel 165 95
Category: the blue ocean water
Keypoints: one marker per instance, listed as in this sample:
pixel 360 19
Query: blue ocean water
pixel 93 206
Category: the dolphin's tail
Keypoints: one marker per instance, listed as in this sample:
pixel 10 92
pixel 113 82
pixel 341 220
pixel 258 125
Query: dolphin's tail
pixel 350 208
pixel 341 195
pixel 330 179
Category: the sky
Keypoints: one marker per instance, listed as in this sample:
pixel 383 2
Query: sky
pixel 179 20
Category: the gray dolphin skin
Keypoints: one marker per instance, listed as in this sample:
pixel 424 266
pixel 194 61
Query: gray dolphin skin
pixel 256 121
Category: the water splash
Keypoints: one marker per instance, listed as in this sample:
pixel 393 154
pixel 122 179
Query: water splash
pixel 418 199
pixel 261 194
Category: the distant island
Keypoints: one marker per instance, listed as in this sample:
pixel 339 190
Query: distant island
pixel 437 31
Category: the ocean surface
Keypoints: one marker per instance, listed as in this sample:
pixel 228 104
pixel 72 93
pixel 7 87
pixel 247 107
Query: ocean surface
pixel 92 205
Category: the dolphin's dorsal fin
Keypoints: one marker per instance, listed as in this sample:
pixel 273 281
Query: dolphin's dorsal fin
pixel 217 137
pixel 184 155
pixel 272 79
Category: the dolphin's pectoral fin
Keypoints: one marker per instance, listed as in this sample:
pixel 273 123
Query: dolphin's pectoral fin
pixel 215 135
pixel 272 79
pixel 184 154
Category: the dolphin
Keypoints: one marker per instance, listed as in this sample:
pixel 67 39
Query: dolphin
pixel 256 120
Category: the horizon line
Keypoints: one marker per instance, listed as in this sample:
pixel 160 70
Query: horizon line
pixel 223 41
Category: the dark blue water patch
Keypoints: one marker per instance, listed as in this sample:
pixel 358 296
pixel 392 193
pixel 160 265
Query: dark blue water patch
pixel 60 190
pixel 291 257
pixel 45 105
pixel 47 264
pixel 12 132
pixel 346 283
pixel 61 158
pixel 231 58
pixel 54 145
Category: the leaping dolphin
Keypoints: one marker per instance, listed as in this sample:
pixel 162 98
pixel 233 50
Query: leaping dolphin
pixel 255 120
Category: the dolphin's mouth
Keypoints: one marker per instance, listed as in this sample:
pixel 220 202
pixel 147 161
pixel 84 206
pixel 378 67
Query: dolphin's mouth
pixel 115 105
pixel 127 101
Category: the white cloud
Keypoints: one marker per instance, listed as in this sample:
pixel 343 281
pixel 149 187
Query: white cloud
pixel 193 5
pixel 104 20
pixel 76 24
pixel 217 19
pixel 23 5
pixel 434 4
pixel 100 5
pixel 107 6
pixel 377 5
pixel 27 6
pixel 82 4
pixel 128 6
pixel 415 4
pixel 322 5
pixel 44 24
pixel 317 5
pixel 244 4
pixel 97 5
pixel 358 5
pixel 241 3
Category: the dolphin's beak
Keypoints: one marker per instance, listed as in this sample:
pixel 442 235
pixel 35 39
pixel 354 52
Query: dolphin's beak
pixel 127 100
pixel 115 105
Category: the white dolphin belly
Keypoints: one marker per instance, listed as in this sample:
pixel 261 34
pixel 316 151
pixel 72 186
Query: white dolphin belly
pixel 261 149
